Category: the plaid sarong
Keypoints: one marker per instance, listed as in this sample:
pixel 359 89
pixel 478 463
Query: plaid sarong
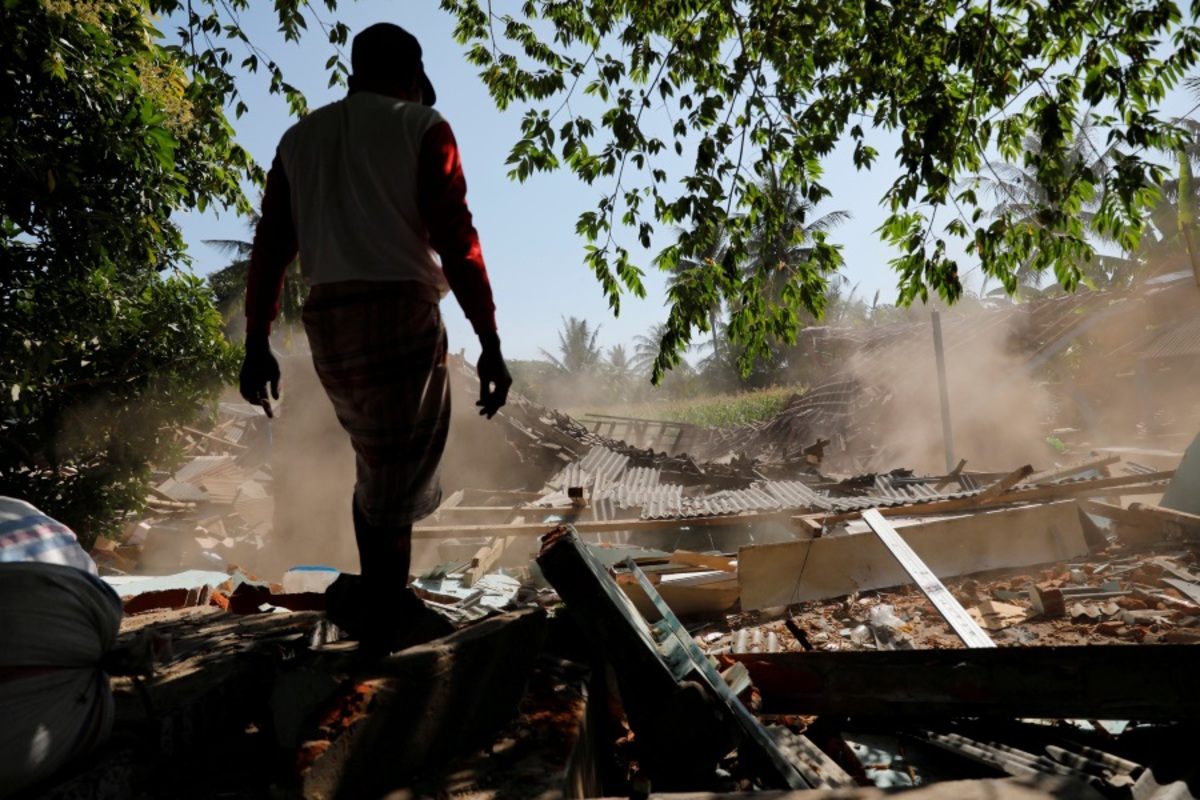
pixel 379 349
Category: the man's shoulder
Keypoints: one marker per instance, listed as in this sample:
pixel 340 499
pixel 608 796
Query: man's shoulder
pixel 314 119
pixel 318 114
pixel 363 108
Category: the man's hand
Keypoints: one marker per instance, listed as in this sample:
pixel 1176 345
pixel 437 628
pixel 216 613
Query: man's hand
pixel 259 379
pixel 494 379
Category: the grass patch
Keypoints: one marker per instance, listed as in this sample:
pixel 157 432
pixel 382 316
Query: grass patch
pixel 716 411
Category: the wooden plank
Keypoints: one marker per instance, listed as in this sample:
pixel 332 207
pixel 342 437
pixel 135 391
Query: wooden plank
pixel 953 476
pixel 962 624
pixel 1132 484
pixel 485 558
pixel 1049 476
pixel 1181 518
pixel 708 560
pixel 1096 681
pixel 217 439
pixel 593 526
pixel 1001 486
pixel 777 574
pixel 484 497
pixel 477 515
pixel 1116 513
pixel 447 503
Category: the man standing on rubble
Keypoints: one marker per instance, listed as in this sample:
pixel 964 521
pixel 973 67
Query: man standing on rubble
pixel 369 191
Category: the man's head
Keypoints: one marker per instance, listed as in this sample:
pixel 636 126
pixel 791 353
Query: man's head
pixel 387 55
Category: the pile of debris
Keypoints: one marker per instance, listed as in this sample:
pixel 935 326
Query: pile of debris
pixel 640 619
pixel 214 512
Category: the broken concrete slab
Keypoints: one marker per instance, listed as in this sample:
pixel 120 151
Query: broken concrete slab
pixel 1183 494
pixel 816 569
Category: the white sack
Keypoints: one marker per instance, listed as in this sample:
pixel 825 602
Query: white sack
pixel 56 624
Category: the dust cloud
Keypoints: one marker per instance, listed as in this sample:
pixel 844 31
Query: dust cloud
pixel 1026 393
pixel 1013 401
pixel 313 467
pixel 999 413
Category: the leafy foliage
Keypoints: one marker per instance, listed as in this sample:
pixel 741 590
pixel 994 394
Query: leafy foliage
pixel 102 340
pixel 94 370
pixel 751 90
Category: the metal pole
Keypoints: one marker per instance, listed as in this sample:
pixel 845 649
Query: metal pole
pixel 943 392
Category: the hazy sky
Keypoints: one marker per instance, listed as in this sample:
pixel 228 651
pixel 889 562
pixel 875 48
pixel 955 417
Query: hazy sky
pixel 534 258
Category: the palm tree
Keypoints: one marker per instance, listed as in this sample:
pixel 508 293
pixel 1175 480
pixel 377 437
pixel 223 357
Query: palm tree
pixel 1020 198
pixel 578 352
pixel 645 349
pixel 1175 217
pixel 229 283
pixel 777 253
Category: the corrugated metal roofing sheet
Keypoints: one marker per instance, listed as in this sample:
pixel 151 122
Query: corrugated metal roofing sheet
pixel 612 485
pixel 570 475
pixel 1180 342
pixel 599 465
pixel 665 502
pixel 795 494
pixel 605 464
pixel 730 501
pixel 632 488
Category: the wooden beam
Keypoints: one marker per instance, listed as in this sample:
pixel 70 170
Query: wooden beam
pixel 1048 476
pixel 960 621
pixel 1097 681
pixel 953 476
pixel 1131 484
pixel 217 439
pixel 594 526
pixel 485 558
pixel 1181 518
pixel 1115 513
pixel 1003 485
